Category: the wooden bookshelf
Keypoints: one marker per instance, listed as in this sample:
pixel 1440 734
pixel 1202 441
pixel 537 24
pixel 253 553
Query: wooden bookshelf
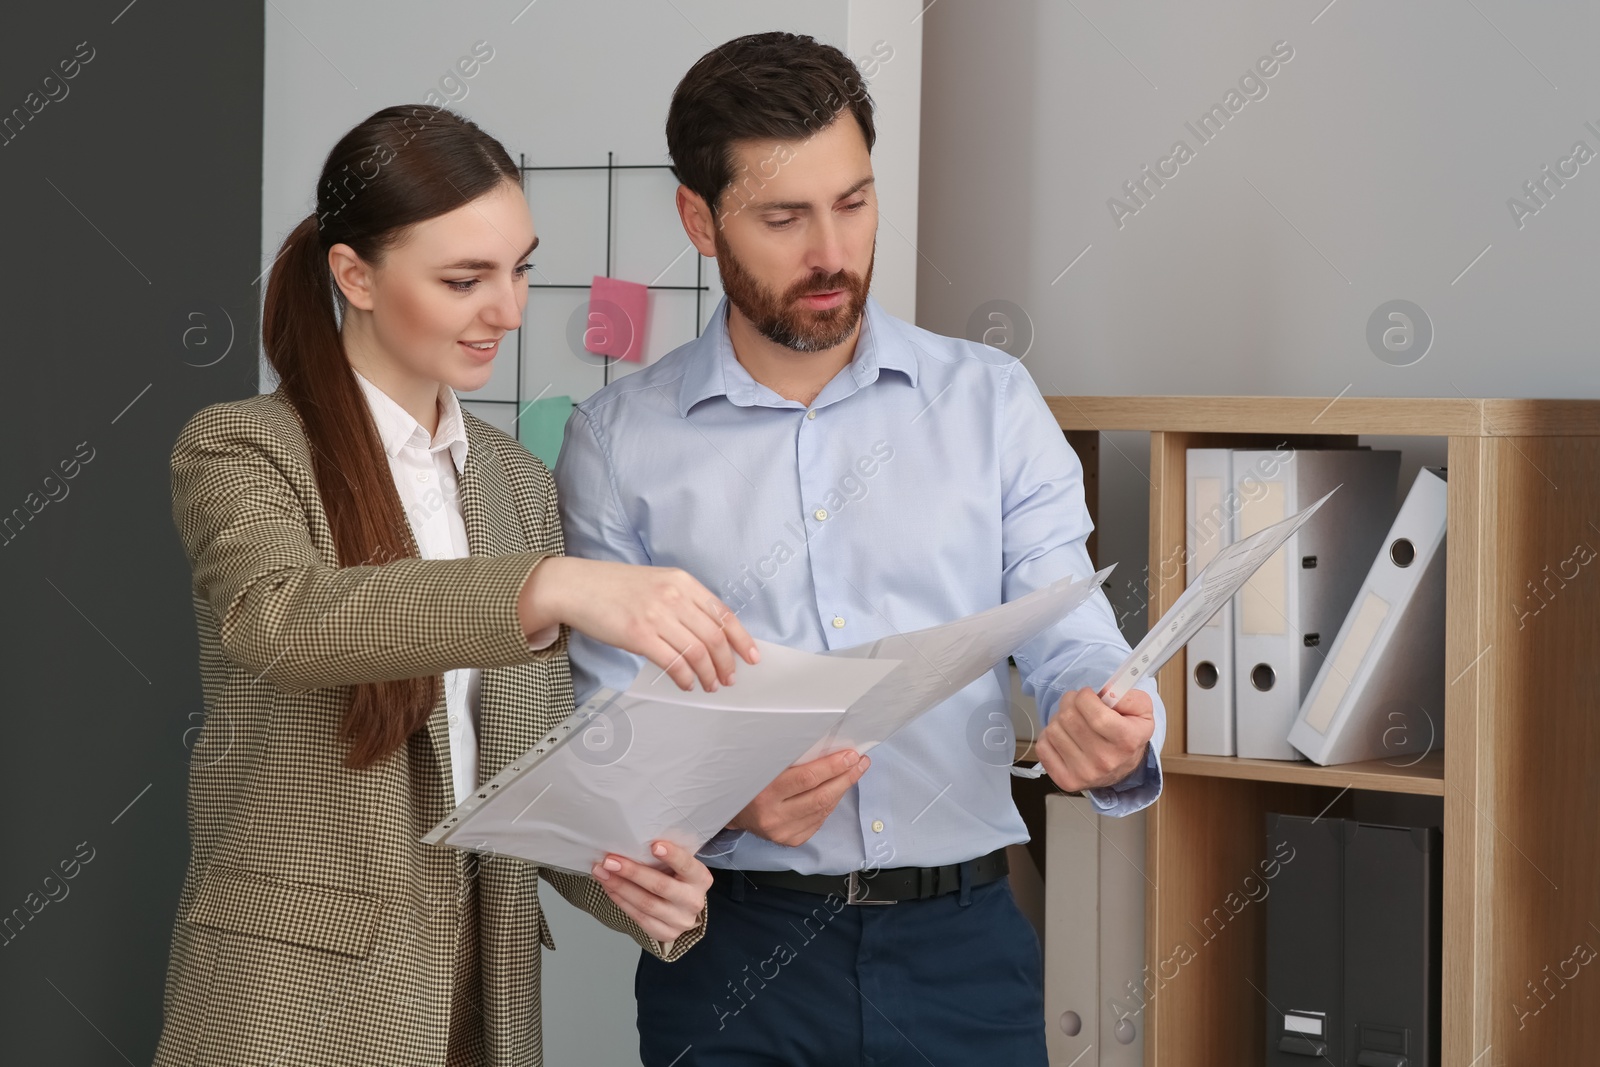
pixel 1401 775
pixel 1519 776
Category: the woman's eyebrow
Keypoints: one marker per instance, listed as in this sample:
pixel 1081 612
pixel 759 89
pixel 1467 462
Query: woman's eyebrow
pixel 486 264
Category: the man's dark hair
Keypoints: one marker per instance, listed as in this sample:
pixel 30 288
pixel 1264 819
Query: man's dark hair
pixel 761 86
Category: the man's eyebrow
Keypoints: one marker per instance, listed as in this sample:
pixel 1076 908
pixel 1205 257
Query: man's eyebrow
pixel 805 205
pixel 484 264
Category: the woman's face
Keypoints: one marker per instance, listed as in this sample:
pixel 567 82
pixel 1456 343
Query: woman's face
pixel 441 300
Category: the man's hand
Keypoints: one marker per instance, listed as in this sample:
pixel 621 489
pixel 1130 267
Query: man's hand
pixel 799 800
pixel 1088 745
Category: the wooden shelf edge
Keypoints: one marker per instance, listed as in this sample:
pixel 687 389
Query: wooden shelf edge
pixel 1425 777
pixel 1411 416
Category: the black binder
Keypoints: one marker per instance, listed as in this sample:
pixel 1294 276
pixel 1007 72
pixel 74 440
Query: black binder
pixel 1305 942
pixel 1392 886
pixel 1353 937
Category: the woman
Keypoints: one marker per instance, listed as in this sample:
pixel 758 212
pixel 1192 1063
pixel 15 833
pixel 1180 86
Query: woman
pixel 364 672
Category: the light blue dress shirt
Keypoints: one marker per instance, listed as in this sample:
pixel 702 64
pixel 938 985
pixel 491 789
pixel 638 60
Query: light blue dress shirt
pixel 927 481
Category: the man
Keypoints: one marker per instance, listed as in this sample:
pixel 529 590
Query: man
pixel 837 475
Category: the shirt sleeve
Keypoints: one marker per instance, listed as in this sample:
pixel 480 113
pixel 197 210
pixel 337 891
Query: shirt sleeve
pixel 1044 529
pixel 595 527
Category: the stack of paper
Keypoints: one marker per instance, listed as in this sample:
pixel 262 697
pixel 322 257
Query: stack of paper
pixel 657 763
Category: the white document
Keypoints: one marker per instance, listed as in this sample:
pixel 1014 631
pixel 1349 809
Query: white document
pixel 1215 586
pixel 940 661
pixel 1222 577
pixel 657 763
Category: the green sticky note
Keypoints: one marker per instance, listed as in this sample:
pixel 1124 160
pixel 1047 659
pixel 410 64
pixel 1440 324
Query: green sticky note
pixel 541 426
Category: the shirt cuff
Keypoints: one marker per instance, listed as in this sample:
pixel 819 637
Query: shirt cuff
pixel 718 851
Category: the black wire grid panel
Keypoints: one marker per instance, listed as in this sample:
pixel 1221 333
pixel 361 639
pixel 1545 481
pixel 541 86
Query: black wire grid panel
pixel 699 288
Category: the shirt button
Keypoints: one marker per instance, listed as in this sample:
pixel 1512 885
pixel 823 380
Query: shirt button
pixel 821 513
pixel 877 826
pixel 838 622
pixel 811 414
pixel 455 720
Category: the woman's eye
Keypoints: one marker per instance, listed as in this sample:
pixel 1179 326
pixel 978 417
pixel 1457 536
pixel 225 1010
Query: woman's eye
pixel 522 271
pixel 462 286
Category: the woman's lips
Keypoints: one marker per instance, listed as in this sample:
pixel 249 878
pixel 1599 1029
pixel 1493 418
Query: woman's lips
pixel 482 355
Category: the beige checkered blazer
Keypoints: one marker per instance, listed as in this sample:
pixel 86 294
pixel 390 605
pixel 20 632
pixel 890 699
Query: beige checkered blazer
pixel 314 926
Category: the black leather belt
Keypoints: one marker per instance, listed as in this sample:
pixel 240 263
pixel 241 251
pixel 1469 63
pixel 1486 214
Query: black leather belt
pixel 886 885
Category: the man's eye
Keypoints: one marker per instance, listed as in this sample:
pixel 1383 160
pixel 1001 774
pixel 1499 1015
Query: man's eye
pixel 779 224
pixel 854 206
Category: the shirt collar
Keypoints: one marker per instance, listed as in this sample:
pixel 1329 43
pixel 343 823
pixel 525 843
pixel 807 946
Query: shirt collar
pixel 713 369
pixel 397 429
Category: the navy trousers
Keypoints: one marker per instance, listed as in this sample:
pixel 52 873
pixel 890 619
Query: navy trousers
pixel 799 979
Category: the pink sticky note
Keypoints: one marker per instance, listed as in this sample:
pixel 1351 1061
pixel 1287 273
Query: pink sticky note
pixel 616 319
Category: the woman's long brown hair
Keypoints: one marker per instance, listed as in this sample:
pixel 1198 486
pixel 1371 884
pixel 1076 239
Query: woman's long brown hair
pixel 400 166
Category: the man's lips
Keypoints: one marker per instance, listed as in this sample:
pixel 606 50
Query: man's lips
pixel 823 301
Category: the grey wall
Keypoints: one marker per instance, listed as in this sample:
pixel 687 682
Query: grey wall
pixel 132 208
pixel 1377 166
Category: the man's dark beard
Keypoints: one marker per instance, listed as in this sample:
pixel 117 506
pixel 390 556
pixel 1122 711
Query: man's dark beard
pixel 783 319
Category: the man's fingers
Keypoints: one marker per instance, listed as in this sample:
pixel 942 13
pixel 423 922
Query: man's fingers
pixel 1100 737
pixel 1136 703
pixel 1123 728
pixel 1054 764
pixel 804 777
pixel 1098 753
pixel 1096 728
pixel 824 798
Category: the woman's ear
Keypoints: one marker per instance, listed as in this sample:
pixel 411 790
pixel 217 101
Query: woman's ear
pixel 352 274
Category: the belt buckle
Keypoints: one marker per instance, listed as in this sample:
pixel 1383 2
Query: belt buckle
pixel 855 891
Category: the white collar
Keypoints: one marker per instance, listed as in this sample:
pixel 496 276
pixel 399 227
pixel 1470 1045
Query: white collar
pixel 397 429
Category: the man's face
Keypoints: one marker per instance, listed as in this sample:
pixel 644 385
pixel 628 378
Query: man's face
pixel 796 233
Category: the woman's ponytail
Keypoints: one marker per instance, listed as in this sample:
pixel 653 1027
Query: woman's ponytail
pixel 371 189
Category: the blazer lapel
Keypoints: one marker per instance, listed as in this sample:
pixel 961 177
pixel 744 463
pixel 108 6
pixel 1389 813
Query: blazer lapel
pixel 489 510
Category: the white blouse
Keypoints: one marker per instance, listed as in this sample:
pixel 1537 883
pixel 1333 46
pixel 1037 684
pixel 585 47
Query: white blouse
pixel 425 471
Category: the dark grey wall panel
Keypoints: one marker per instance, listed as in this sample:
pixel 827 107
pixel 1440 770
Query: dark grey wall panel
pixel 131 206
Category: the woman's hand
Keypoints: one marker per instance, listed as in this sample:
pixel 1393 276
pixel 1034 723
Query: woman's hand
pixel 660 613
pixel 665 904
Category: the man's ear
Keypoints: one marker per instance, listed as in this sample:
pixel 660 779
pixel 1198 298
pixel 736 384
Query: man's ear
pixel 699 221
pixel 352 275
